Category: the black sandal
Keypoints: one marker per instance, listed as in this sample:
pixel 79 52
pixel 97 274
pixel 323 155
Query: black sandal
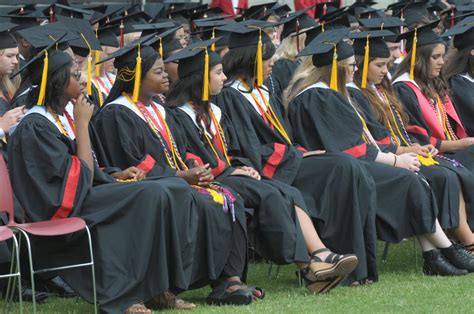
pixel 318 286
pixel 257 292
pixel 221 296
pixel 335 265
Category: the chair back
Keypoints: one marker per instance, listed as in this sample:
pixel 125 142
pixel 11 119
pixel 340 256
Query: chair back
pixel 6 193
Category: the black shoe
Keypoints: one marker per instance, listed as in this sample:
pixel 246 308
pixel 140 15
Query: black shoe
pixel 57 287
pixel 459 257
pixel 27 293
pixel 437 265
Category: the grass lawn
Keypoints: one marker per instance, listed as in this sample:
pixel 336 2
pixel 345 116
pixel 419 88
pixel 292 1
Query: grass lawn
pixel 402 288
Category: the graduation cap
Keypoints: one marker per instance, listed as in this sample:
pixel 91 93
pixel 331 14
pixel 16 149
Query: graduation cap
pixel 211 30
pixel 258 11
pixel 163 43
pixel 22 21
pixel 84 45
pixel 280 10
pixel 195 58
pixel 128 61
pixel 28 9
pixel 296 22
pixel 40 37
pixel 56 9
pixel 6 38
pixel 49 61
pixel 124 24
pixel 419 37
pixel 249 33
pixel 371 13
pixel 463 34
pixel 155 10
pixel 321 9
pixel 391 23
pixel 328 48
pixel 107 37
pixel 148 29
pixel 370 44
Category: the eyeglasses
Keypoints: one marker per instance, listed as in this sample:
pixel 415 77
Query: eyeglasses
pixel 77 75
pixel 353 65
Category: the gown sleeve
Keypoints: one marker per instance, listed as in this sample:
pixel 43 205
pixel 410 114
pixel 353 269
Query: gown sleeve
pixel 462 95
pixel 122 136
pixel 417 126
pixel 48 179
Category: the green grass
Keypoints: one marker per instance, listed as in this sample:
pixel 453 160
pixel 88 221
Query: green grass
pixel 402 288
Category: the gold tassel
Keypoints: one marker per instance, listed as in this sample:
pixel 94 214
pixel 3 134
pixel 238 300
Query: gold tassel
pixel 161 48
pixel 44 78
pixel 213 45
pixel 333 83
pixel 427 161
pixel 97 66
pixel 259 60
pixel 365 69
pixel 413 57
pixel 322 27
pixel 205 79
pixel 89 75
pixel 138 75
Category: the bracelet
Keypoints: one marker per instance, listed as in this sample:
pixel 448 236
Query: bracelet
pixel 395 160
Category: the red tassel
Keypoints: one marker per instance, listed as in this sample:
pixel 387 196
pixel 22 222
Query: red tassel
pixel 122 39
pixel 452 19
pixel 298 35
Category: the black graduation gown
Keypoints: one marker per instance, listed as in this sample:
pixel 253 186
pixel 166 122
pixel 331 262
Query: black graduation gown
pixel 128 141
pixel 278 233
pixel 155 252
pixel 410 101
pixel 282 72
pixel 462 94
pixel 328 182
pixel 324 119
pixel 445 179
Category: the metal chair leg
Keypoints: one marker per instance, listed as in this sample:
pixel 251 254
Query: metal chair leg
pixel 94 290
pixel 415 252
pixel 385 252
pixel 32 272
pixel 15 261
pixel 270 270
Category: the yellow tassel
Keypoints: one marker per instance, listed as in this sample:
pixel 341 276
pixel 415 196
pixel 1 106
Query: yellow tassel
pixel 44 78
pixel 138 75
pixel 89 75
pixel 427 161
pixel 205 79
pixel 413 57
pixel 365 70
pixel 213 45
pixel 97 67
pixel 322 27
pixel 216 196
pixel 161 48
pixel 333 83
pixel 259 60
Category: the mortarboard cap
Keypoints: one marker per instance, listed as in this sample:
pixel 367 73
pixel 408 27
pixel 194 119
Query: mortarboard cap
pixel 463 34
pixel 258 11
pixel 148 29
pixel 328 48
pixel 6 38
pixel 321 9
pixel 297 22
pixel 370 44
pixel 107 37
pixel 197 58
pixel 40 37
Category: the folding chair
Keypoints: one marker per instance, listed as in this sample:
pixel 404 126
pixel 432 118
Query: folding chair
pixel 6 234
pixel 48 228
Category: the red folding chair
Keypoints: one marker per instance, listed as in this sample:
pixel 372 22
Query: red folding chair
pixel 48 228
pixel 6 234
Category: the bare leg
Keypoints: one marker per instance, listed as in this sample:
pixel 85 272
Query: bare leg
pixel 436 240
pixel 463 232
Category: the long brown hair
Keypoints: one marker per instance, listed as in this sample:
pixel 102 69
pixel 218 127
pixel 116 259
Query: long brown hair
pixel 458 61
pixel 307 74
pixel 381 108
pixel 429 86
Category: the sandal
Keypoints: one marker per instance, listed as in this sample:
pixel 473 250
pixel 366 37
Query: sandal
pixel 318 286
pixel 334 265
pixel 257 292
pixel 138 308
pixel 470 248
pixel 220 295
pixel 169 301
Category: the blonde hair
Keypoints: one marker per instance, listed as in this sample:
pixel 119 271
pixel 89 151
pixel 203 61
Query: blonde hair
pixel 9 86
pixel 101 56
pixel 287 48
pixel 307 74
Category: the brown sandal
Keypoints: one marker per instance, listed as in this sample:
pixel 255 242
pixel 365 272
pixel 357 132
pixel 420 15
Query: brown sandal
pixel 334 265
pixel 138 308
pixel 169 301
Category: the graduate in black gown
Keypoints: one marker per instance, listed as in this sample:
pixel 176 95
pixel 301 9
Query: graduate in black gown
pixel 135 134
pixel 54 175
pixel 264 138
pixel 323 117
pixel 459 72
pixel 284 231
pixel 386 119
pixel 433 117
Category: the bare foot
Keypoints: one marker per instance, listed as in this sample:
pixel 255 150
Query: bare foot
pixel 138 308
